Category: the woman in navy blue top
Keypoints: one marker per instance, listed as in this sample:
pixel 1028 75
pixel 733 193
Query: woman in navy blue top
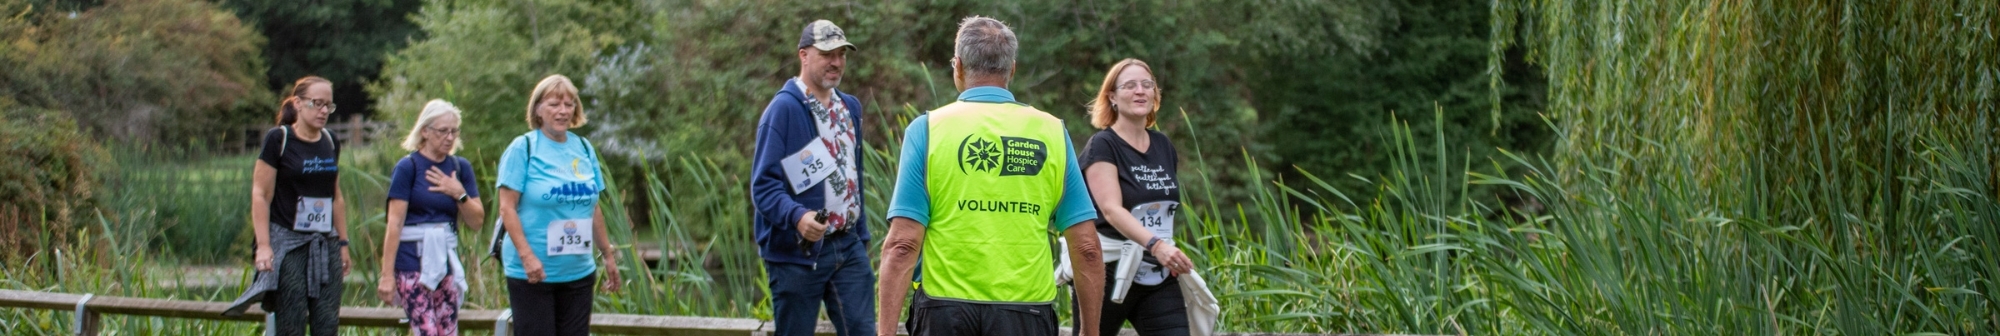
pixel 428 197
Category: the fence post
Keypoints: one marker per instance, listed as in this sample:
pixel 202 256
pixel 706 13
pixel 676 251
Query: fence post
pixel 86 320
pixel 354 126
pixel 504 323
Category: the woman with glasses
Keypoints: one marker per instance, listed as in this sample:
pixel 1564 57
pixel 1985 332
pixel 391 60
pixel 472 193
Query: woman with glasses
pixel 299 216
pixel 549 184
pixel 428 199
pixel 1134 180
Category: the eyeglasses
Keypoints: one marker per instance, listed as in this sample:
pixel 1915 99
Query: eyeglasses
pixel 318 103
pixel 444 131
pixel 1128 85
pixel 559 103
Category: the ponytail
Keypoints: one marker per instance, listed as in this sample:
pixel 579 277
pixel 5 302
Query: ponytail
pixel 286 113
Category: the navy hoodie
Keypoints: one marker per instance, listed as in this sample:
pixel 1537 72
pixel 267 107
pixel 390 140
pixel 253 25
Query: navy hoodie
pixel 785 128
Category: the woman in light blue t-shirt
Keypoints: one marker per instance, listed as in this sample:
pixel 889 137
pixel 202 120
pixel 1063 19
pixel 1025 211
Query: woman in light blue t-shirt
pixel 549 184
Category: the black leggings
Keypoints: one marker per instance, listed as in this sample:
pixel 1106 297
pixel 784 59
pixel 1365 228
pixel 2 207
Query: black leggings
pixel 559 308
pixel 294 309
pixel 1156 310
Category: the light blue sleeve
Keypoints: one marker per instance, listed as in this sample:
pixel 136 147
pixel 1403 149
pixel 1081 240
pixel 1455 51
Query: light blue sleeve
pixel 911 198
pixel 1075 206
pixel 513 170
pixel 513 166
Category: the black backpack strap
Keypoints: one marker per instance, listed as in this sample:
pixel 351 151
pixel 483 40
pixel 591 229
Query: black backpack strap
pixel 527 161
pixel 413 187
pixel 593 153
pixel 286 140
pixel 499 227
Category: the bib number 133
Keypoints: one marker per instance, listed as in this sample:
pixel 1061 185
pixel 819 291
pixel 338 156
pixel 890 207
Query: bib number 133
pixel 570 236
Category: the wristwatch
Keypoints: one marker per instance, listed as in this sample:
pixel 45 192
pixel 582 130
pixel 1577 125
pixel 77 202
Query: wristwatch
pixel 462 197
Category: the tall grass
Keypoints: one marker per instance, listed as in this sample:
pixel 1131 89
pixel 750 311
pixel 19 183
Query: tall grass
pixel 1758 167
pixel 185 203
pixel 1604 259
pixel 1723 168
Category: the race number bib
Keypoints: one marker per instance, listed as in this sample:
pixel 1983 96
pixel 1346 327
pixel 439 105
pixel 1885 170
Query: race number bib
pixel 569 236
pixel 315 215
pixel 809 166
pixel 1158 218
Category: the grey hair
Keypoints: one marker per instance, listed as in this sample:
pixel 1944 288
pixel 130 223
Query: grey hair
pixel 985 46
pixel 432 110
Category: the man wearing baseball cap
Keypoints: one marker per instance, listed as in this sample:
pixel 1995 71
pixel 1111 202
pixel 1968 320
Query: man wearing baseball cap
pixel 806 186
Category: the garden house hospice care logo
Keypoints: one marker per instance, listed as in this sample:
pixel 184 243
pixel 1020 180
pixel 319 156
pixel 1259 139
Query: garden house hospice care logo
pixel 1010 156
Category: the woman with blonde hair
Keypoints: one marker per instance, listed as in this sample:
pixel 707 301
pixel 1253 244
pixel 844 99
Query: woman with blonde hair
pixel 428 199
pixel 299 217
pixel 1134 180
pixel 549 184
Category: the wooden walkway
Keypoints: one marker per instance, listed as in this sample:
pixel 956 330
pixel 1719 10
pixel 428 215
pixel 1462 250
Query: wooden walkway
pixel 90 308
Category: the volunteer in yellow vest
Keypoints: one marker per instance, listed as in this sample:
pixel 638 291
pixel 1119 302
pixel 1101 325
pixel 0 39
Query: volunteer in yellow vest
pixel 980 184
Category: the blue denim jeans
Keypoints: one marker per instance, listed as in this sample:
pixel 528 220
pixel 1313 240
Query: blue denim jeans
pixel 841 279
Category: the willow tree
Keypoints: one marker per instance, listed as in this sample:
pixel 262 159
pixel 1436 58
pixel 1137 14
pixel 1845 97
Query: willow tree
pixel 1768 167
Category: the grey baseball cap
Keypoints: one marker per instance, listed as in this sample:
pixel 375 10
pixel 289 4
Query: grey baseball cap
pixel 822 34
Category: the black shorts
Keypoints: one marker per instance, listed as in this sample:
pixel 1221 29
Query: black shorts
pixel 931 316
pixel 1156 310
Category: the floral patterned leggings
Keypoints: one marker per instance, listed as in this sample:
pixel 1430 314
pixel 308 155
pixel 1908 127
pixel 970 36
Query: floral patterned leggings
pixel 431 312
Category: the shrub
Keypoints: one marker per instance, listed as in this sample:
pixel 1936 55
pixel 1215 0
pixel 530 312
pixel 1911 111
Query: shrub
pixel 50 174
pixel 137 69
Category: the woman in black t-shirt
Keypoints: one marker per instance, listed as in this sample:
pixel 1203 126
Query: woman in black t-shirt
pixel 1134 181
pixel 299 217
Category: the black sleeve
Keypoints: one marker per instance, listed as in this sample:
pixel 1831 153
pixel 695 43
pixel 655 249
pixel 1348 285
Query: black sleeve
pixel 273 139
pixel 1097 149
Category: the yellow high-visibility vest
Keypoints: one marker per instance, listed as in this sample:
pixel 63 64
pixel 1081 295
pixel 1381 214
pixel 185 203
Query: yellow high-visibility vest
pixel 995 174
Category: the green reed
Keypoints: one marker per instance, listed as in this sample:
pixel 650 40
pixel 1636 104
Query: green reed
pixel 1723 168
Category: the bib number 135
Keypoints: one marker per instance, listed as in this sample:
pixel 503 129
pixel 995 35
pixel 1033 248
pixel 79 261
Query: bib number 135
pixel 570 236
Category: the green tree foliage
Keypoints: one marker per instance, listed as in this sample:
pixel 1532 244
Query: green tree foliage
pixel 1333 110
pixel 153 70
pixel 666 79
pixel 1776 167
pixel 343 41
pixel 51 174
pixel 486 56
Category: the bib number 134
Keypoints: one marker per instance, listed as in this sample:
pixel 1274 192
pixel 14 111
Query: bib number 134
pixel 570 236
pixel 1157 217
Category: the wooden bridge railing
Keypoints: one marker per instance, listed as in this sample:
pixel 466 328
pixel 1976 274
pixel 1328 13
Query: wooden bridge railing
pixel 89 312
pixel 89 309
